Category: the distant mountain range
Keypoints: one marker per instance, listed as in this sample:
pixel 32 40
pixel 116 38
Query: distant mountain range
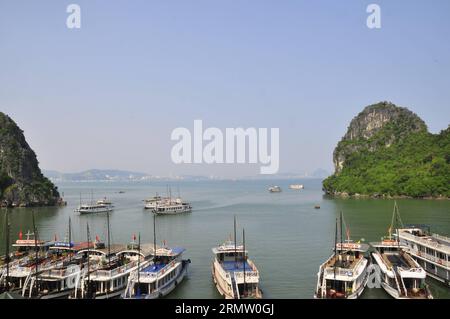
pixel 123 176
pixel 96 175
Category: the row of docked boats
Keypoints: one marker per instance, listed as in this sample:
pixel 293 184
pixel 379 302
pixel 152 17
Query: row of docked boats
pixel 93 269
pixel 399 263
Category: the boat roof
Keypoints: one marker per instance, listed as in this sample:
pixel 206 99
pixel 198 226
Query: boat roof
pixel 228 247
pixel 72 246
pixel 32 243
pixel 434 241
pixel 114 249
pixel 387 244
pixel 352 246
pixel 170 252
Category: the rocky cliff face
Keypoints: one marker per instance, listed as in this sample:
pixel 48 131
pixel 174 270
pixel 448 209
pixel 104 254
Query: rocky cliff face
pixel 21 180
pixel 388 152
pixel 397 122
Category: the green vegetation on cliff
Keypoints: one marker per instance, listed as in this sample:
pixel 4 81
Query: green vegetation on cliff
pixel 388 151
pixel 21 180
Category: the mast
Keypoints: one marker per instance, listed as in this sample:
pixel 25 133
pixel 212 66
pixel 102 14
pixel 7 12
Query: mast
pixel 340 221
pixel 235 245
pixel 335 251
pixel 36 249
pixel 139 259
pixel 398 222
pixel 88 260
pixel 7 246
pixel 109 240
pixel 70 239
pixel 245 260
pixel 154 236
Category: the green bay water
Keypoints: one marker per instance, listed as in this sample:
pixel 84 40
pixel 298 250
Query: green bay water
pixel 286 237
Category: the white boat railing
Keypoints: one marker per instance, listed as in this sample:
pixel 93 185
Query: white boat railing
pixel 429 257
pixel 159 273
pixel 426 240
pixel 115 271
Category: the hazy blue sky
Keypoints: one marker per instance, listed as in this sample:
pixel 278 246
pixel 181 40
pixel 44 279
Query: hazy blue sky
pixel 109 95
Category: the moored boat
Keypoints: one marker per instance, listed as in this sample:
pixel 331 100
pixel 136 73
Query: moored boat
pixel 401 276
pixel 431 251
pixel 344 275
pixel 161 275
pixel 234 274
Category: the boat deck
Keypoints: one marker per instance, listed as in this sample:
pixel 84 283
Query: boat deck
pixel 153 268
pixel 398 260
pixel 344 263
pixel 232 266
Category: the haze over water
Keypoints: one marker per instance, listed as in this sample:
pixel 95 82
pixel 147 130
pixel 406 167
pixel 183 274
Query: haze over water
pixel 286 237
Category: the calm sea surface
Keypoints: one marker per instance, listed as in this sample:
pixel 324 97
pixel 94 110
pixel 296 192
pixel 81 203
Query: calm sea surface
pixel 287 238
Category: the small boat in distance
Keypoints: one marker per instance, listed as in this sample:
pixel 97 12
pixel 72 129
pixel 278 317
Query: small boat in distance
pixel 296 186
pixel 344 275
pixel 235 276
pixel 401 276
pixel 275 189
pixel 431 251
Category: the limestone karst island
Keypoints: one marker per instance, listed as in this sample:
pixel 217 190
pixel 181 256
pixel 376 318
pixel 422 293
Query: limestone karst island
pixel 21 181
pixel 388 152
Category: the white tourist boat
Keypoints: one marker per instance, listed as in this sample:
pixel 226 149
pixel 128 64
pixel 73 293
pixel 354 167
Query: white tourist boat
pixel 155 201
pixel 344 275
pixel 173 207
pixel 275 189
pixel 431 251
pixel 161 275
pixel 101 206
pixel 296 186
pixel 234 275
pixel 112 265
pixel 112 268
pixel 401 276
pixel 31 256
pixel 61 277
